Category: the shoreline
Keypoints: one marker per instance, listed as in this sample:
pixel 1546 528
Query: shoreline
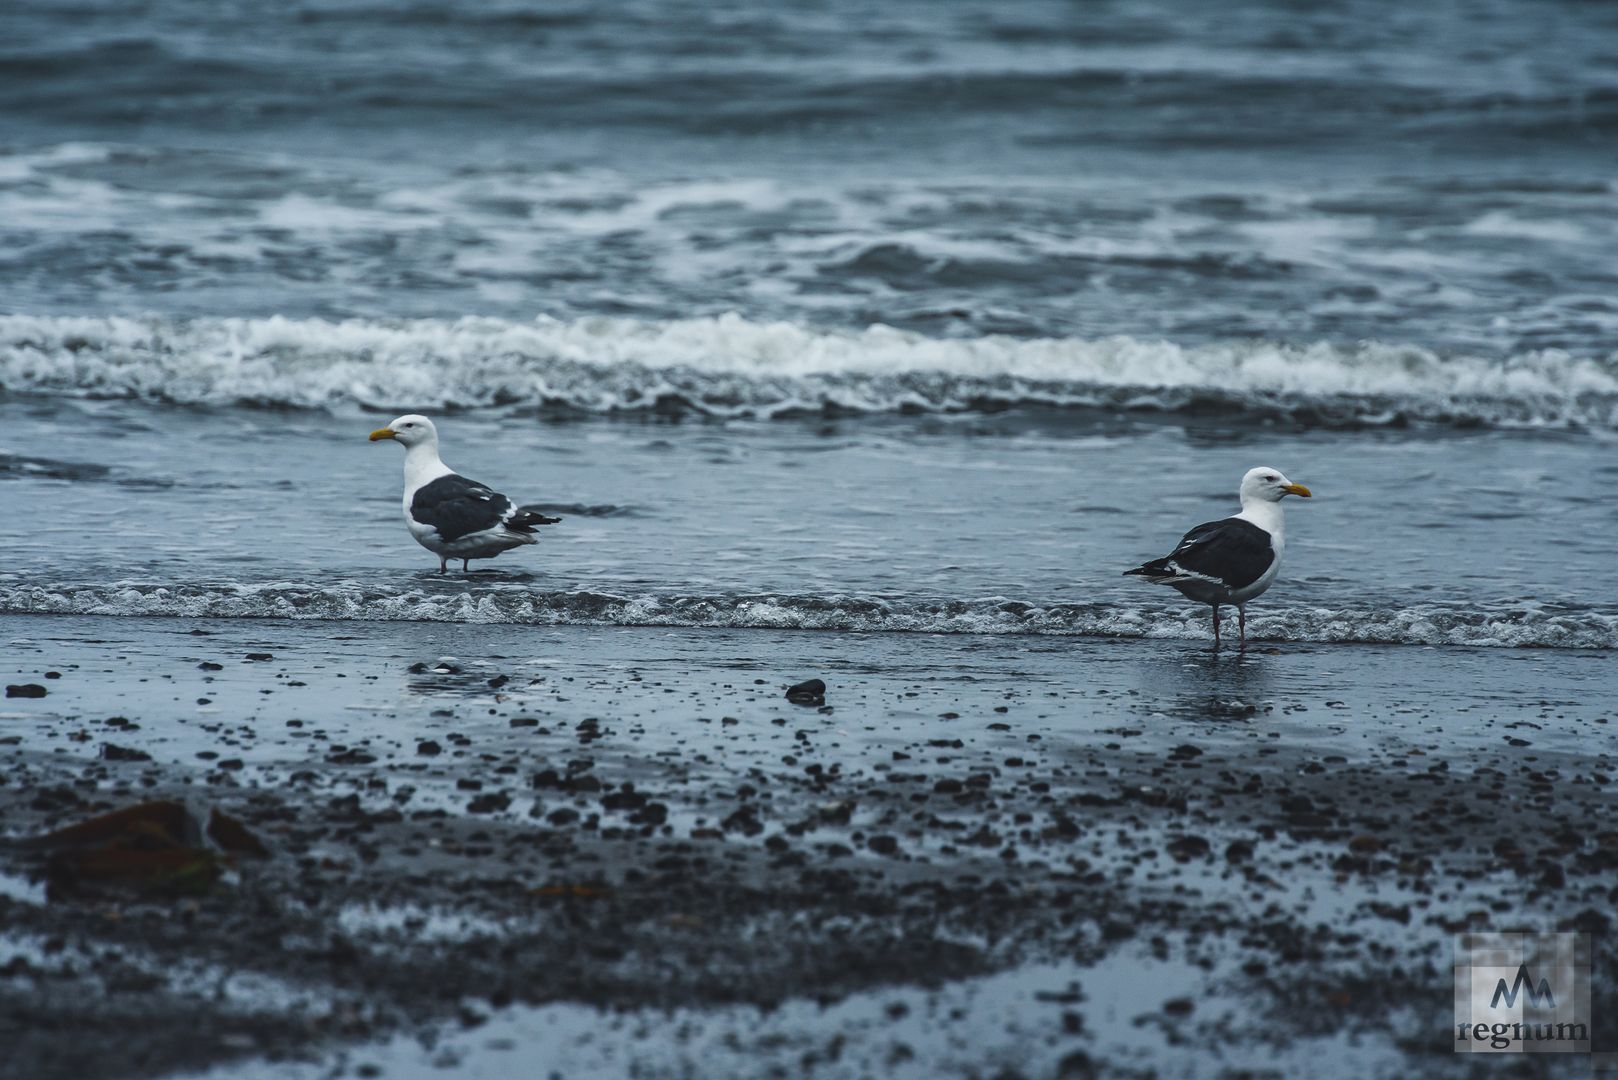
pixel 498 598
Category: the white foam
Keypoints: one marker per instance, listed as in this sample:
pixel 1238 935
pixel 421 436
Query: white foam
pixel 1515 227
pixel 1503 626
pixel 728 365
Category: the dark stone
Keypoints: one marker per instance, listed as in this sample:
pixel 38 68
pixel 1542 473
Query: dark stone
pixel 25 690
pixel 1187 847
pixel 428 748
pixel 744 820
pixel 808 692
pixel 627 799
pixel 112 752
pixel 653 813
pixel 490 802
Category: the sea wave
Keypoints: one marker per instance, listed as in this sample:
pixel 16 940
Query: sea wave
pixel 729 366
pixel 1519 627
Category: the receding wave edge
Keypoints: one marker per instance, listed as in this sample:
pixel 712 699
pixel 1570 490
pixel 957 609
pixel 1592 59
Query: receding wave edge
pixel 518 604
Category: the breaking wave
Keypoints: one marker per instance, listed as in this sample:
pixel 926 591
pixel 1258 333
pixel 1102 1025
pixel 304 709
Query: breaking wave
pixel 1520 627
pixel 731 367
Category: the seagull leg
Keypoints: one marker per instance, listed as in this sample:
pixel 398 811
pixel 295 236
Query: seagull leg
pixel 1216 625
pixel 465 565
pixel 443 565
pixel 1241 620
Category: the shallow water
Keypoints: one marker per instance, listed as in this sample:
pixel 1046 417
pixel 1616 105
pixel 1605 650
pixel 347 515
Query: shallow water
pixel 1021 522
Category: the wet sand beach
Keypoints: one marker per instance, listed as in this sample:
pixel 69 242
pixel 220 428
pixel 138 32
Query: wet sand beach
pixel 623 850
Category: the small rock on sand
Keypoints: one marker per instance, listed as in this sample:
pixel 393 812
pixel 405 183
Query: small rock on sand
pixel 808 692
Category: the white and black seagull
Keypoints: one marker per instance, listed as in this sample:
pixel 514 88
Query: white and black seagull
pixel 449 515
pixel 1234 559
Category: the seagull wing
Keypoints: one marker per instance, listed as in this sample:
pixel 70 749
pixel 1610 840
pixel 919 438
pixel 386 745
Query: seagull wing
pixel 1229 552
pixel 457 507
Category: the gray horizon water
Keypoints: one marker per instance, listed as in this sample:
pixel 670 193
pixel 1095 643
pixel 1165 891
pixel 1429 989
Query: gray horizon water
pixel 938 326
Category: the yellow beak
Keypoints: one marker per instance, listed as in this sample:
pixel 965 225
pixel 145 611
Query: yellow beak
pixel 388 433
pixel 1290 489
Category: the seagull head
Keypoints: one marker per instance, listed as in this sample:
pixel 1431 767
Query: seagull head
pixel 410 430
pixel 1265 484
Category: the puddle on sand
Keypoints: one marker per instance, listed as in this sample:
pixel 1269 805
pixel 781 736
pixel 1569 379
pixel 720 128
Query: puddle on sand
pixel 365 921
pixel 20 888
pixel 1034 1020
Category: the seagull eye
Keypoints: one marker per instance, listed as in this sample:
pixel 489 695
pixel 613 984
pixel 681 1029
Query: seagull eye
pixel 1272 479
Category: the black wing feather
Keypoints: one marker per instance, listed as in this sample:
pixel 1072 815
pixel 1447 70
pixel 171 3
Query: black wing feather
pixel 1230 550
pixel 456 506
pixel 527 518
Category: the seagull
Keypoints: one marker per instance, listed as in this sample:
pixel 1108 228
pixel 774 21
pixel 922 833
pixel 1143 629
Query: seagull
pixel 1232 560
pixel 449 515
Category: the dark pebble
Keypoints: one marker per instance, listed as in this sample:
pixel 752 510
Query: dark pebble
pixel 808 692
pixel 1187 847
pixel 491 802
pixel 25 690
pixel 744 821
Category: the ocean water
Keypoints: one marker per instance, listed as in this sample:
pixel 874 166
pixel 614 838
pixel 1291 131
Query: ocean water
pixel 922 318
